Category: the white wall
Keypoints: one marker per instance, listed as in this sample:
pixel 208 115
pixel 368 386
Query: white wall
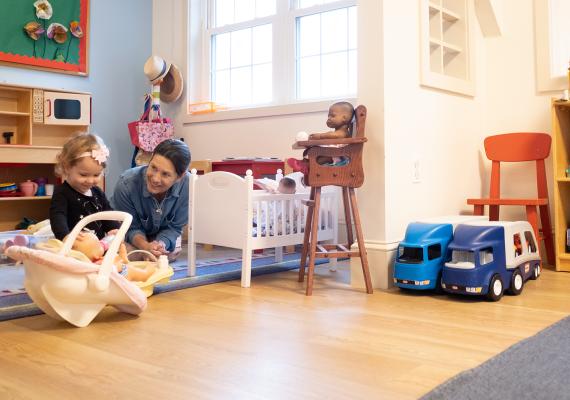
pixel 120 42
pixel 407 123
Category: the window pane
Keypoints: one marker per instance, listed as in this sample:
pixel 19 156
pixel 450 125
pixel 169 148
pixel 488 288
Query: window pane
pixel 262 44
pixel 335 74
pixel 308 3
pixel 221 83
pixel 241 48
pixel 559 36
pixel 352 35
pixel 352 72
pixel 244 10
pixel 262 83
pixel 309 35
pixel 240 86
pixel 264 8
pixel 221 51
pixel 309 77
pixel 334 30
pixel 224 12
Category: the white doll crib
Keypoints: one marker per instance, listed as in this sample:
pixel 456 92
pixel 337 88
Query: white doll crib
pixel 223 209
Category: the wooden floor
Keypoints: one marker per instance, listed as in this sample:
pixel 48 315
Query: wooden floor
pixel 271 342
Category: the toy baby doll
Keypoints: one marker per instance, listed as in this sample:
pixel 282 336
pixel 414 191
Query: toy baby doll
pixel 340 119
pixel 285 186
pixel 88 244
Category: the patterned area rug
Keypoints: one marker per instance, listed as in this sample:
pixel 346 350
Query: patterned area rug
pixel 15 303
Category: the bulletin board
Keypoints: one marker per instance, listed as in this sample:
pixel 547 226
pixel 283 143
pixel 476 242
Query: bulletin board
pixel 50 35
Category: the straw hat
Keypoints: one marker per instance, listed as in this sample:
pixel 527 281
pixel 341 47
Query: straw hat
pixel 172 85
pixel 158 71
pixel 155 68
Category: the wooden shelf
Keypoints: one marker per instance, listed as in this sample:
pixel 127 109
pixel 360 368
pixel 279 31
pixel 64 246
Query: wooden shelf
pixel 561 161
pixel 25 198
pixel 28 154
pixel 15 113
pixel 33 149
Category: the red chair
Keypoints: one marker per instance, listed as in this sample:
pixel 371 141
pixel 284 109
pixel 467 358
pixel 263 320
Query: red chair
pixel 517 147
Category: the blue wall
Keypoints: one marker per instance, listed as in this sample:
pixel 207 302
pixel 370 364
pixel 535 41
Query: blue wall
pixel 119 44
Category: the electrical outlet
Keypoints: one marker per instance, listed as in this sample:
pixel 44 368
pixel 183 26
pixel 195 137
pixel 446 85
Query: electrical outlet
pixel 416 177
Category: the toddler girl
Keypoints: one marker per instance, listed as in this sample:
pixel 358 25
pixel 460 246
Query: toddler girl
pixel 80 164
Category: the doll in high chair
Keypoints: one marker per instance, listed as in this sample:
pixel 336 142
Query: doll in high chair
pixel 340 120
pixel 95 249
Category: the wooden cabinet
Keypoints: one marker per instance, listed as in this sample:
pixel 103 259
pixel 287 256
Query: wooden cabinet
pixel 561 162
pixel 32 150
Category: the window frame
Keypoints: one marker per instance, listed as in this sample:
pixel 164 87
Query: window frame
pixel 284 74
pixel 545 81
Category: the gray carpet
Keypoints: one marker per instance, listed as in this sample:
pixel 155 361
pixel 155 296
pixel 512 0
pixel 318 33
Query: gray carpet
pixel 535 368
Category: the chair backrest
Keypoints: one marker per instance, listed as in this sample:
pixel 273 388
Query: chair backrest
pixel 359 121
pixel 518 147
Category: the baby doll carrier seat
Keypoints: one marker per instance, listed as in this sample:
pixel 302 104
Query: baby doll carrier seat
pixel 76 291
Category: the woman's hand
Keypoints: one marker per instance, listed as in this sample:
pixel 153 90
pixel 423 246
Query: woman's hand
pixel 157 248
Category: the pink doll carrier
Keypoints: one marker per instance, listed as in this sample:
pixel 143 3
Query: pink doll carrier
pixel 68 288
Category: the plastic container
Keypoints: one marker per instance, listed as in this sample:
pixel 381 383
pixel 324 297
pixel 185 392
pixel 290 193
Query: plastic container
pixel 21 238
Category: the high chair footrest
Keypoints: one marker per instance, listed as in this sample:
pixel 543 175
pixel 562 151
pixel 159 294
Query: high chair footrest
pixel 337 254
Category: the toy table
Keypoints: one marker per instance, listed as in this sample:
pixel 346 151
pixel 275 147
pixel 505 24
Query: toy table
pixel 260 167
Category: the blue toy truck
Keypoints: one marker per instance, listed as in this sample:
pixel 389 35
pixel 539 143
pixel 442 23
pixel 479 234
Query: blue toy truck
pixel 487 258
pixel 422 253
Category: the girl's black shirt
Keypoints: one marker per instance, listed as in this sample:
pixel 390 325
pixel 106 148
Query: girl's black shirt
pixel 68 207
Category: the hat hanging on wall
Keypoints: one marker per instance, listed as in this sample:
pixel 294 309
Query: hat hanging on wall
pixel 172 85
pixel 155 68
pixel 168 76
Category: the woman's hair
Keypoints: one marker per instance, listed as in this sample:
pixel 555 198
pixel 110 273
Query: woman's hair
pixel 72 150
pixel 177 152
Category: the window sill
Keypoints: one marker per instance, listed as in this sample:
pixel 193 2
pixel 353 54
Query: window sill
pixel 259 112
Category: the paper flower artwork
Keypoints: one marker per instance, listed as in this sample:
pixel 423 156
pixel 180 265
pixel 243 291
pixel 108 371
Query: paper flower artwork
pixel 43 9
pixel 57 32
pixel 34 30
pixel 75 29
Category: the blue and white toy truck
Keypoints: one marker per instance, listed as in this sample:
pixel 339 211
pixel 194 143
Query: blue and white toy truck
pixel 488 258
pixel 422 253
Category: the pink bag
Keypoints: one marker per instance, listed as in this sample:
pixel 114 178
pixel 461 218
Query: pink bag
pixel 146 134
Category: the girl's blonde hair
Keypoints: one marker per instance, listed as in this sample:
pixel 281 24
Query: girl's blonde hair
pixel 72 150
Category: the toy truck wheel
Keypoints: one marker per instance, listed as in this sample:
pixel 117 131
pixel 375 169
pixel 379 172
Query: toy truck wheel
pixel 517 283
pixel 438 288
pixel 536 271
pixel 495 288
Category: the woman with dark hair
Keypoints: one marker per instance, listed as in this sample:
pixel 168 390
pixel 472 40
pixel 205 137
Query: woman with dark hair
pixel 156 195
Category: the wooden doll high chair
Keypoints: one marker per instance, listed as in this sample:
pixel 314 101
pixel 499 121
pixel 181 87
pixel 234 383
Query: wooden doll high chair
pixel 349 177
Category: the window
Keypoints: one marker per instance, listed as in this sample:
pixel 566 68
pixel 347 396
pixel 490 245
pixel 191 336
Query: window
pixel 462 259
pixel 410 255
pixel 447 52
pixel 530 241
pixel 517 245
pixel 273 52
pixel 434 251
pixel 485 256
pixel 552 43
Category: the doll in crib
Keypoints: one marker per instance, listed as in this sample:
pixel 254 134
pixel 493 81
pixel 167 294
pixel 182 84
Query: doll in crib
pixel 340 119
pixel 90 245
pixel 285 186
